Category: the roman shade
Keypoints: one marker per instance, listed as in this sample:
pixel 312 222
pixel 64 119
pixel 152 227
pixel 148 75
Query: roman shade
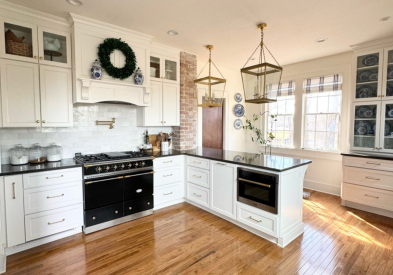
pixel 329 83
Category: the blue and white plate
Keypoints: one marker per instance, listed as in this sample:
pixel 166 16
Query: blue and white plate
pixel 387 128
pixel 362 127
pixel 370 60
pixel 238 124
pixel 237 158
pixel 390 73
pixel 238 97
pixel 365 91
pixel 389 112
pixel 373 76
pixel 238 110
pixel 363 112
pixel 363 76
pixel 389 90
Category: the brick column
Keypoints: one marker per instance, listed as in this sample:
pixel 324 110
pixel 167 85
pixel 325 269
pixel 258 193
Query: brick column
pixel 185 136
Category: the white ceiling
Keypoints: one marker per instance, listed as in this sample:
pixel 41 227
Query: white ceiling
pixel 230 25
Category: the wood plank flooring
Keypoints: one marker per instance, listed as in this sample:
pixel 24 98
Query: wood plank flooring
pixel 184 239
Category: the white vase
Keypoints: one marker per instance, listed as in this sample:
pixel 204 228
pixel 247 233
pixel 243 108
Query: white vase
pixel 164 146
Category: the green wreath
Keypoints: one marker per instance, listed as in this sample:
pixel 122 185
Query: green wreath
pixel 104 51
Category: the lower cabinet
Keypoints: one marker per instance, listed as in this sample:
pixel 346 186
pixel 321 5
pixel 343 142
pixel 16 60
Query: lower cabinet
pixel 167 193
pixel 223 188
pixel 198 194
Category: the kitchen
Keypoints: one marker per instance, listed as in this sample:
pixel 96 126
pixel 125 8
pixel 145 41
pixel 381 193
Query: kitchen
pixel 135 146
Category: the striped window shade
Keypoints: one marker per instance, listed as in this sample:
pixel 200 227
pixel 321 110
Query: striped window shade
pixel 329 83
pixel 283 88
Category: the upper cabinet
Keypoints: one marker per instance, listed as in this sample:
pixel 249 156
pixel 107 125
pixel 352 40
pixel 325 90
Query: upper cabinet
pixel 165 68
pixel 28 42
pixel 387 85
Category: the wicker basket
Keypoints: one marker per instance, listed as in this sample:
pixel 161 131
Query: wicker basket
pixel 19 48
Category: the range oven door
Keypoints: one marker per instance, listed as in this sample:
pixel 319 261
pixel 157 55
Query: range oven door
pixel 258 189
pixel 103 191
pixel 138 185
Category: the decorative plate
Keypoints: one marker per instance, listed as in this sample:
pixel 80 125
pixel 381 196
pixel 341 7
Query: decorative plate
pixel 238 110
pixel 375 111
pixel 387 128
pixel 238 124
pixel 390 73
pixel 363 76
pixel 374 126
pixel 389 90
pixel 389 112
pixel 362 127
pixel 365 91
pixel 370 60
pixel 238 97
pixel 368 113
pixel 361 110
pixel 237 158
pixel 373 76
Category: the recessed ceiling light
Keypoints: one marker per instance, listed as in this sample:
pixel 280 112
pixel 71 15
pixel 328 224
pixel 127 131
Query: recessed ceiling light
pixel 386 18
pixel 75 2
pixel 172 32
pixel 320 40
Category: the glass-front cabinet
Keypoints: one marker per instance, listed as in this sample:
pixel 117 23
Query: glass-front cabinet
pixel 387 87
pixel 54 47
pixel 165 68
pixel 387 126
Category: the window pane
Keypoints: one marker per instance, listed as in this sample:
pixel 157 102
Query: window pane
pixel 290 107
pixel 280 123
pixel 273 108
pixel 332 141
pixel 311 105
pixel 332 123
pixel 321 123
pixel 288 122
pixel 288 138
pixel 309 139
pixel 320 140
pixel 271 124
pixel 334 104
pixel 281 107
pixel 323 102
pixel 310 122
pixel 280 137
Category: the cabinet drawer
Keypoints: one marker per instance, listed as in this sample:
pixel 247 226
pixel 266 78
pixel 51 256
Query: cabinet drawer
pixel 368 177
pixel 198 194
pixel 53 221
pixel 167 176
pixel 138 205
pixel 167 193
pixel 198 176
pixel 258 219
pixel 103 214
pixel 377 164
pixel 198 162
pixel 368 196
pixel 40 179
pixel 165 162
pixel 52 197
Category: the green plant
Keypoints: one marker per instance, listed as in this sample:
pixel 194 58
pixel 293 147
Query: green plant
pixel 257 135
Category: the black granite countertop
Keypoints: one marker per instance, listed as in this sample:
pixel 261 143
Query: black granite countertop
pixel 8 169
pixel 371 156
pixel 269 162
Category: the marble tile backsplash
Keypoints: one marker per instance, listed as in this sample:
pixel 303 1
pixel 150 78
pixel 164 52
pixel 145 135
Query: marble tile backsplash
pixel 85 136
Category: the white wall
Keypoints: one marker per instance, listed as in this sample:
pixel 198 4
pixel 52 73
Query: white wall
pixel 85 136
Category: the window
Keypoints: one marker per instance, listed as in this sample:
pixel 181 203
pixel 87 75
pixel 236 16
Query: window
pixel 284 108
pixel 322 97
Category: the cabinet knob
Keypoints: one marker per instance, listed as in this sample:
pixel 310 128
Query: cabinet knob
pixel 94 218
pixel 37 121
pixel 164 121
pixel 43 121
pixel 130 207
pixel 41 58
pixel 148 203
pixel 35 57
pixel 116 212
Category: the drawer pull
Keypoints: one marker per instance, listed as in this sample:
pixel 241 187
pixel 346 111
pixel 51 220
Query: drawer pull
pixel 369 162
pixel 54 177
pixel 94 218
pixel 254 182
pixel 254 219
pixel 372 196
pixel 116 212
pixel 370 178
pixel 167 161
pixel 167 175
pixel 139 190
pixel 13 191
pixel 50 223
pixel 55 196
pixel 130 208
pixel 197 195
pixel 167 194
pixel 197 162
pixel 220 163
pixel 197 176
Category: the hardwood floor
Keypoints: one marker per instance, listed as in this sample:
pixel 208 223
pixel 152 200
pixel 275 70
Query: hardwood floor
pixel 184 239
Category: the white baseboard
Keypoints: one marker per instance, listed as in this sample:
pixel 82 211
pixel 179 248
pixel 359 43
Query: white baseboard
pixel 163 205
pixel 367 208
pixel 323 187
pixel 291 235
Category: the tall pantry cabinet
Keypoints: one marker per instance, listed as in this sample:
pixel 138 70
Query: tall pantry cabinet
pixel 36 79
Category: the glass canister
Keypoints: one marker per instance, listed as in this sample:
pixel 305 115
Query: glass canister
pixel 37 154
pixel 54 152
pixel 19 155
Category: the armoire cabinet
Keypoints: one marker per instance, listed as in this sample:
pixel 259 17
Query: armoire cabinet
pixel 36 77
pixel 372 107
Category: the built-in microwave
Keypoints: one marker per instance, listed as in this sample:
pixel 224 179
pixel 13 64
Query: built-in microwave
pixel 258 189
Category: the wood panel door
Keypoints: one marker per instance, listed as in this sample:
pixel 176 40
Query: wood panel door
pixel 212 127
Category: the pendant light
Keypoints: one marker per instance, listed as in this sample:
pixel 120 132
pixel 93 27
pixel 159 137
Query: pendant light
pixel 261 81
pixel 209 99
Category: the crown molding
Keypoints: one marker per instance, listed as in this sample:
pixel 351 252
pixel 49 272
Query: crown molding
pixel 164 47
pixel 373 43
pixel 34 13
pixel 75 18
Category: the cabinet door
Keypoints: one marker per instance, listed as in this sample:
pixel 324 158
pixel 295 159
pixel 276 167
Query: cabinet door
pixel 153 113
pixel 386 129
pixel 365 126
pixel 368 75
pixel 387 78
pixel 20 94
pixel 54 47
pixel 15 216
pixel 171 69
pixel 223 188
pixel 56 96
pixel 155 67
pixel 171 104
pixel 25 47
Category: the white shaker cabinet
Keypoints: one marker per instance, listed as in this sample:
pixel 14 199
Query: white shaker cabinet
pixel 14 211
pixel 171 104
pixel 223 188
pixel 152 115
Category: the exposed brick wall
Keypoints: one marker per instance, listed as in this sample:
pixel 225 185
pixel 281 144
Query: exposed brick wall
pixel 185 136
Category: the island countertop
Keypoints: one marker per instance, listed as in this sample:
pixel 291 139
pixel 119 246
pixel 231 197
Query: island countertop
pixel 270 162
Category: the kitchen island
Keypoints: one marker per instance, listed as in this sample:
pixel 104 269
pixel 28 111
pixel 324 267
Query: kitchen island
pixel 260 193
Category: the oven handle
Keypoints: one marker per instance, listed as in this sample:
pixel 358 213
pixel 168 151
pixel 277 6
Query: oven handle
pixel 129 176
pixel 262 184
pixel 90 182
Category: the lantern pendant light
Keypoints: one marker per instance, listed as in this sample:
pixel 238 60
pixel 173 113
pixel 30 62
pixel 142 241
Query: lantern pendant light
pixel 209 99
pixel 261 81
